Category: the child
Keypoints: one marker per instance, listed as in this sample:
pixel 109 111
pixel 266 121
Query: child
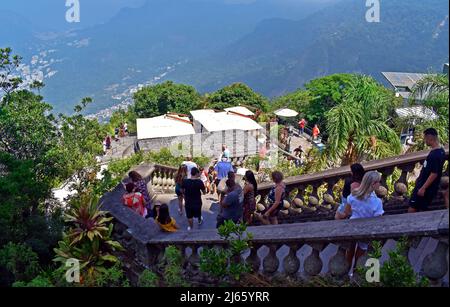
pixel 164 221
pixel 134 200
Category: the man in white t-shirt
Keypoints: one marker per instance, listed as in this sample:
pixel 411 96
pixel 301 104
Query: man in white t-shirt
pixel 190 165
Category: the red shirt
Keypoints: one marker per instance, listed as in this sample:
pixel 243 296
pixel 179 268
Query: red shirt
pixel 135 201
pixel 302 124
pixel 315 131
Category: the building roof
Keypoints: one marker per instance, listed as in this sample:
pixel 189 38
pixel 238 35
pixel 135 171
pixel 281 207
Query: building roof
pixel 401 79
pixel 222 121
pixel 240 110
pixel 417 112
pixel 163 126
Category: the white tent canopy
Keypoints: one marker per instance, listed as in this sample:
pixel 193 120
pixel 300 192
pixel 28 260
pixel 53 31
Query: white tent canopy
pixel 222 121
pixel 240 110
pixel 286 113
pixel 163 126
pixel 417 112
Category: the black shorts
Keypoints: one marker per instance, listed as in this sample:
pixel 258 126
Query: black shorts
pixel 216 182
pixel 421 203
pixel 193 211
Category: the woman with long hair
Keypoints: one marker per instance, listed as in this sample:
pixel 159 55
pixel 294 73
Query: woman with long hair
pixel 165 221
pixel 141 187
pixel 363 203
pixel 350 185
pixel 276 198
pixel 250 189
pixel 179 177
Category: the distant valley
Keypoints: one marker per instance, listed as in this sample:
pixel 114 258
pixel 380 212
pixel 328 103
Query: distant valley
pixel 210 44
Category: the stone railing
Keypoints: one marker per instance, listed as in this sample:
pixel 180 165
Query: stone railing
pixel 300 251
pixel 316 196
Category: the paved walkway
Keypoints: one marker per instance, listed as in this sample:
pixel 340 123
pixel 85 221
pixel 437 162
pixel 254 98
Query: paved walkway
pixel 120 149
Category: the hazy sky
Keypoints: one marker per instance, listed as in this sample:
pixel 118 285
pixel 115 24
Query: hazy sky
pixel 50 14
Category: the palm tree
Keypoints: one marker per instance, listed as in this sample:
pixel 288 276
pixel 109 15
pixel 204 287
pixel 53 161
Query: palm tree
pixel 434 92
pixel 358 128
pixel 431 87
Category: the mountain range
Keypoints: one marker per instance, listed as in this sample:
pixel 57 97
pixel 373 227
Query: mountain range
pixel 275 46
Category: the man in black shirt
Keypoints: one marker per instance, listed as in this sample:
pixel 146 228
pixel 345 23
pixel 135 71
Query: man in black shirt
pixel 427 185
pixel 192 191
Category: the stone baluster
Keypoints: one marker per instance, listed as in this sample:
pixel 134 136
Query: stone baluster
pixel 313 200
pixel 271 262
pixel 182 249
pixel 435 265
pixel 338 265
pixel 291 263
pixel 194 258
pixel 329 202
pixel 253 259
pixel 301 192
pixel 313 264
pixel 385 173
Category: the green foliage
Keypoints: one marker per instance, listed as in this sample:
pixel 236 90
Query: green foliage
pixel 396 271
pixel 326 92
pixel 8 78
pixel 227 262
pixel 40 281
pixel 20 261
pixel 112 277
pixel 165 97
pixel 148 279
pixel 165 157
pixel 234 95
pixel 173 268
pixel 358 128
pixel 88 239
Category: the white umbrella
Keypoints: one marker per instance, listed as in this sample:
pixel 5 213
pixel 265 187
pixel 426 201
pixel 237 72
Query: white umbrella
pixel 286 113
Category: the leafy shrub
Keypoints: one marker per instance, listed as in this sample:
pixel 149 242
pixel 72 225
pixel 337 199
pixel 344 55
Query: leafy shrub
pixel 222 263
pixel 148 279
pixel 396 271
pixel 38 282
pixel 112 277
pixel 173 268
pixel 20 261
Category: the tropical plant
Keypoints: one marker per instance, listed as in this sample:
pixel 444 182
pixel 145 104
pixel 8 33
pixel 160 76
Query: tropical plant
pixel 148 279
pixel 88 239
pixel 433 90
pixel 358 128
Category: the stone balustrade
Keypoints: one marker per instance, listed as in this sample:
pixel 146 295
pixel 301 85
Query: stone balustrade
pixel 300 251
pixel 317 196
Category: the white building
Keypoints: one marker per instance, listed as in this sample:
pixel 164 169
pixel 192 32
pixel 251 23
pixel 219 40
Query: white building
pixel 233 119
pixel 169 125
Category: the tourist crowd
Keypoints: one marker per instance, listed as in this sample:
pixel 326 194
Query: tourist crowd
pixel 237 202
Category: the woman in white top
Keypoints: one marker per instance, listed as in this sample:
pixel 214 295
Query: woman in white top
pixel 363 203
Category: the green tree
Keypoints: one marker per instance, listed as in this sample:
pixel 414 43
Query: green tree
pixel 165 97
pixel 358 128
pixel 326 93
pixel 234 95
pixel 9 82
pixel 434 91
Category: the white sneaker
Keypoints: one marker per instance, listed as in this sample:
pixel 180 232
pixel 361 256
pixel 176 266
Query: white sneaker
pixel 200 220
pixel 189 228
